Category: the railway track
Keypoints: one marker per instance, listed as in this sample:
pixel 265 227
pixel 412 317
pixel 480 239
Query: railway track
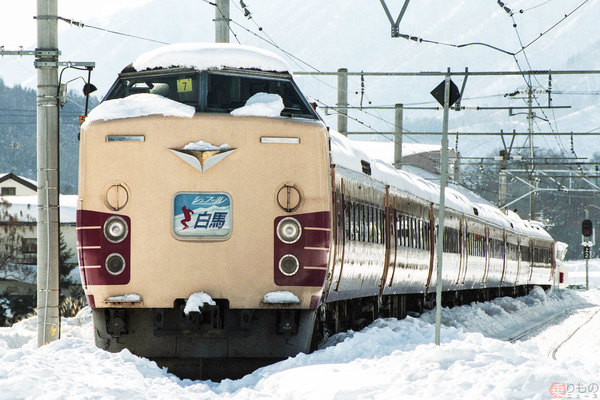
pixel 531 331
pixel 573 333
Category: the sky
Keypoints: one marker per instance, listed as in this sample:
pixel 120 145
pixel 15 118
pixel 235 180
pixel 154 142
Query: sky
pixel 18 28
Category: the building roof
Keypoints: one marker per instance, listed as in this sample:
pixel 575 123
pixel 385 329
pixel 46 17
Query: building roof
pixel 29 183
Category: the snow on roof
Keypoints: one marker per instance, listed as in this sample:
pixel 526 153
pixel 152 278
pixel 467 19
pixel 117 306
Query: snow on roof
pixel 31 181
pixel 204 56
pixel 348 154
pixel 25 208
pixel 385 150
pixel 139 105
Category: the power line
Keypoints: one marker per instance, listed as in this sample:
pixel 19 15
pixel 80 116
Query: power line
pixel 82 25
pixel 511 53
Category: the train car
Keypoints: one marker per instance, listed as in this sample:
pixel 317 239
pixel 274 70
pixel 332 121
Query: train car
pixel 222 226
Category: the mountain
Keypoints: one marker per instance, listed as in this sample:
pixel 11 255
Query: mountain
pixel 18 135
pixel 356 35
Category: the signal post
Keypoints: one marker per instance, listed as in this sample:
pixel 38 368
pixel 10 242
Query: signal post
pixel 588 239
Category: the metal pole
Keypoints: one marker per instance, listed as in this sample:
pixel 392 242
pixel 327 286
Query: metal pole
pixel 342 122
pixel 502 183
pixel 46 63
pixel 398 108
pixel 530 116
pixel 441 211
pixel 587 261
pixel 222 21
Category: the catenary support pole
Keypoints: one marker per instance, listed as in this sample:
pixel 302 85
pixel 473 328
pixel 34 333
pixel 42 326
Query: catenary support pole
pixel 342 103
pixel 46 63
pixel 442 210
pixel 398 117
pixel 222 21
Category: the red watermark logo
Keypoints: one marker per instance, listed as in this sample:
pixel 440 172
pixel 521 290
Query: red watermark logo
pixel 563 390
pixel 558 390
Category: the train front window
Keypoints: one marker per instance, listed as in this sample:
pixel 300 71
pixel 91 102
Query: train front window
pixel 183 88
pixel 213 91
pixel 226 92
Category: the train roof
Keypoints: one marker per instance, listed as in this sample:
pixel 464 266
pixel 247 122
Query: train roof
pixel 347 154
pixel 203 56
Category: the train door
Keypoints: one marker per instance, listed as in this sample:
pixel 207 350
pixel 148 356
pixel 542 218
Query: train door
pixel 464 252
pixel 486 255
pixel 504 256
pixel 340 223
pixel 387 238
pixel 518 260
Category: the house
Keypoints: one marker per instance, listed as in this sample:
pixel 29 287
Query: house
pixel 13 185
pixel 20 194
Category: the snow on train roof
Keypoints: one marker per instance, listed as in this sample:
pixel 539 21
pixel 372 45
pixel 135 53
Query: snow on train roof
pixel 347 154
pixel 203 56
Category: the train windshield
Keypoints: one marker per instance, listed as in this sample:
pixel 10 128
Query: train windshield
pixel 226 92
pixel 182 87
pixel 217 91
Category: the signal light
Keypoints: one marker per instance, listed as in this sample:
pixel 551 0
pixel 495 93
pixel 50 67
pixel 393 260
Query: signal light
pixel 587 228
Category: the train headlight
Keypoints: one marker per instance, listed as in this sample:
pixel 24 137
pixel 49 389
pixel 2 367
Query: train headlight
pixel 289 230
pixel 289 265
pixel 115 264
pixel 115 229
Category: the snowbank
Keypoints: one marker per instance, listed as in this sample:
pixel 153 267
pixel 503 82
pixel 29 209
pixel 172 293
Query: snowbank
pixel 390 359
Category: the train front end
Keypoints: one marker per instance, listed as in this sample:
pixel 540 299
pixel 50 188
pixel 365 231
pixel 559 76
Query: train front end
pixel 203 221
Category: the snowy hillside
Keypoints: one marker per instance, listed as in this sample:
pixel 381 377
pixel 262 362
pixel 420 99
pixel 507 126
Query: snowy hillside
pixel 390 359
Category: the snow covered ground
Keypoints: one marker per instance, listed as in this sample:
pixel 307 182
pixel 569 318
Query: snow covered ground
pixel 390 359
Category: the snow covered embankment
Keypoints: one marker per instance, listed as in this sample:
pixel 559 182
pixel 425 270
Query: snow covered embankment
pixel 390 359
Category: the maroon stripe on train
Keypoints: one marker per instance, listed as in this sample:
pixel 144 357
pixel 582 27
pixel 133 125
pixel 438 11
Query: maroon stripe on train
pixel 91 301
pixel 308 249
pixel 94 248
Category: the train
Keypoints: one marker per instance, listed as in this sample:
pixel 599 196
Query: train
pixel 222 226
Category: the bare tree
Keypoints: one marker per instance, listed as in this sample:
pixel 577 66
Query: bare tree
pixel 12 230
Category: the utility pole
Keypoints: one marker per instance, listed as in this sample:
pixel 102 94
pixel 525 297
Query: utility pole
pixel 530 116
pixel 502 175
pixel 398 126
pixel 442 210
pixel 222 21
pixel 46 63
pixel 342 103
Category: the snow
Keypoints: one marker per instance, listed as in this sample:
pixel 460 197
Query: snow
pixel 201 145
pixel 424 185
pixel 25 207
pixel 261 105
pixel 125 298
pixel 139 105
pixel 280 297
pixel 202 56
pixel 577 272
pixel 390 359
pixel 196 301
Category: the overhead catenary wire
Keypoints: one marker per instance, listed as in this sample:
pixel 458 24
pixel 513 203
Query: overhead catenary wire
pixel 82 25
pixel 508 52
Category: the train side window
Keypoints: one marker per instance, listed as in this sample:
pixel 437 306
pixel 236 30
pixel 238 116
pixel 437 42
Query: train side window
pixel 370 223
pixel 347 219
pixel 361 223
